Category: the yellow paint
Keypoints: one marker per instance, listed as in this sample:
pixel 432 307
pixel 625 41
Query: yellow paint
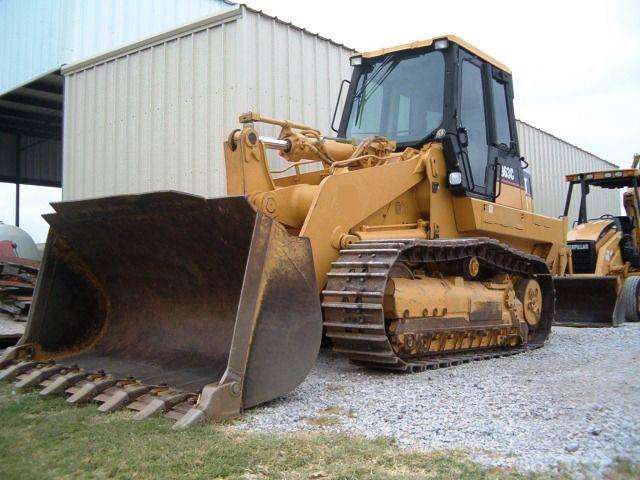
pixel 428 42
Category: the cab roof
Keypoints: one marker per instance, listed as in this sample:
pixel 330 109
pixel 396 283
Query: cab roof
pixel 425 43
pixel 607 178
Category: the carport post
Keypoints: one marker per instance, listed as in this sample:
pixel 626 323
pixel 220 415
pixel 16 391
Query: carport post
pixel 17 180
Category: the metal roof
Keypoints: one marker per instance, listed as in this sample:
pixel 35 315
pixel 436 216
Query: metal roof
pixel 201 24
pixel 39 36
pixel 621 178
pixel 35 108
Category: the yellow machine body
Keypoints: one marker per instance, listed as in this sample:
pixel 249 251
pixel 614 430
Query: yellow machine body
pixel 602 285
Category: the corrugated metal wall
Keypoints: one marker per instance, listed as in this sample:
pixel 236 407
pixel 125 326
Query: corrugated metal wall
pixel 7 156
pixel 550 159
pixel 38 36
pixel 40 160
pixel 155 118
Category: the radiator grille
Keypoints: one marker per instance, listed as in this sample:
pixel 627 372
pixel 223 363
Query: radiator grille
pixel 584 256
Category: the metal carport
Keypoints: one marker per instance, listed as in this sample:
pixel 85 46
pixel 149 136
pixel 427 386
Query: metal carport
pixel 31 134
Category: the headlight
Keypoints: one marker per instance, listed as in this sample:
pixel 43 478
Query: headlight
pixel 455 178
pixel 355 61
pixel 441 44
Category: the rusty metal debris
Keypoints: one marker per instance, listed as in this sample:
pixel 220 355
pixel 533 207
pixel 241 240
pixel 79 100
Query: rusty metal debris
pixel 17 283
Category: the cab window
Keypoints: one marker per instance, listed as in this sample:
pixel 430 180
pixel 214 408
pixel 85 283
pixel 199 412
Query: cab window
pixel 501 114
pixel 472 117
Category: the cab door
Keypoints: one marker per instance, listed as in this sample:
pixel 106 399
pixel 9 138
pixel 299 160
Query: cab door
pixel 473 117
pixel 503 143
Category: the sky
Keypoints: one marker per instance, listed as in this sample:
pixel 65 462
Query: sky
pixel 34 202
pixel 575 64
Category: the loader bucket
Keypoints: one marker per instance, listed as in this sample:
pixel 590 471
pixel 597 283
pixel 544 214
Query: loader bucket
pixel 586 301
pixel 176 289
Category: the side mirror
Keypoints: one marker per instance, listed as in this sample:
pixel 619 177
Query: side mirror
pixel 335 110
pixel 463 137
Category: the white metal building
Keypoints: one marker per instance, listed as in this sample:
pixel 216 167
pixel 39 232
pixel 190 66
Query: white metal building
pixel 153 115
pixel 550 159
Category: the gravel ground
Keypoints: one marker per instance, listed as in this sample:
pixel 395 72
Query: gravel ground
pixel 573 404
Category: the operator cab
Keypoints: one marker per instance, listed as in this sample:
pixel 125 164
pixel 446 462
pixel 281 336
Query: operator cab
pixel 588 233
pixel 448 91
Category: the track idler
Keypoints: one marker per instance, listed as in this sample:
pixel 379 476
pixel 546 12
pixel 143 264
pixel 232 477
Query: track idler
pixel 155 299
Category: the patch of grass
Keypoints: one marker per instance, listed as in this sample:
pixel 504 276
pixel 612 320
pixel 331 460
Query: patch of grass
pixel 335 410
pixel 335 387
pixel 623 469
pixel 45 438
pixel 322 420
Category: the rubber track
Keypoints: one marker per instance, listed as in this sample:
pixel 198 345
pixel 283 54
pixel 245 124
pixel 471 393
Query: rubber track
pixel 352 301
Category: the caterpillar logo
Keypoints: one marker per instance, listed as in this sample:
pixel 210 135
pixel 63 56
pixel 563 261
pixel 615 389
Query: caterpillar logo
pixel 578 246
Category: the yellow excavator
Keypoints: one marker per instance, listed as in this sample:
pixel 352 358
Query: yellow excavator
pixel 408 240
pixel 603 285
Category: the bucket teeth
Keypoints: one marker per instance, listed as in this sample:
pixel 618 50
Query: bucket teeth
pixel 61 383
pixel 91 389
pixel 36 376
pixel 15 370
pixel 194 416
pixel 12 354
pixel 123 397
pixel 160 404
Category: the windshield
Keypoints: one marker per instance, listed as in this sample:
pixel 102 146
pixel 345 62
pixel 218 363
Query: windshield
pixel 398 97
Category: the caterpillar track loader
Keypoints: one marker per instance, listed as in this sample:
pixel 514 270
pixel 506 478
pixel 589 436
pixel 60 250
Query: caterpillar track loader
pixel 603 285
pixel 411 245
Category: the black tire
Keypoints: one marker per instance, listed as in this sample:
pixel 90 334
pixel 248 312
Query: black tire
pixel 629 294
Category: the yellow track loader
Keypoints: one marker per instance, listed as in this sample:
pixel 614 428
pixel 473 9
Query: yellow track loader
pixel 603 285
pixel 409 239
